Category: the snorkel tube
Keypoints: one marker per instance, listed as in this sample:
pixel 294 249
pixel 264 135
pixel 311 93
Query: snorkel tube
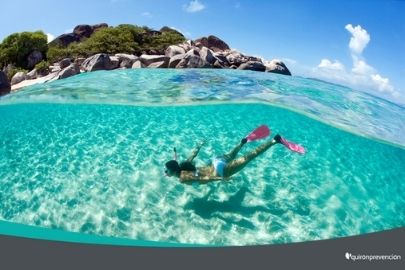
pixel 174 157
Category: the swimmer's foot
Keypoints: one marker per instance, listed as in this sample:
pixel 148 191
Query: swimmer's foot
pixel 290 145
pixel 277 138
pixel 243 141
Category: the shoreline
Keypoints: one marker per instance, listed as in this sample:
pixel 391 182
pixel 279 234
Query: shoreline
pixel 107 62
pixel 26 83
pixel 73 53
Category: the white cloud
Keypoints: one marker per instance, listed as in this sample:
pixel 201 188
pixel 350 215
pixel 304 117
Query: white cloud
pixel 358 77
pixel 361 67
pixel 193 6
pixel 50 37
pixel 334 71
pixel 326 63
pixel 361 74
pixel 359 40
pixel 382 83
pixel 147 14
pixel 366 81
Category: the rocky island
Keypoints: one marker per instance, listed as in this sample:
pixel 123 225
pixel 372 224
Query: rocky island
pixel 101 47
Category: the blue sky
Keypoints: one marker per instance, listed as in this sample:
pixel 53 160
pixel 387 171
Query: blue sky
pixel 359 43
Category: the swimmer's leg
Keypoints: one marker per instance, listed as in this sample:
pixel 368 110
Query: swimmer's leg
pixel 231 155
pixel 236 165
pixel 195 151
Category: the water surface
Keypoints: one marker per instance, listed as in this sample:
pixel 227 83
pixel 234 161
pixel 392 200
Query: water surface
pixel 86 154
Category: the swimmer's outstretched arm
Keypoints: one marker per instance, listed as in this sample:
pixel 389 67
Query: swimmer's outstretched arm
pixel 195 151
pixel 189 179
pixel 211 179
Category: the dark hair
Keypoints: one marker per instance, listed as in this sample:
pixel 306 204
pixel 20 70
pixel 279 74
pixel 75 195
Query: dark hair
pixel 174 166
pixel 187 166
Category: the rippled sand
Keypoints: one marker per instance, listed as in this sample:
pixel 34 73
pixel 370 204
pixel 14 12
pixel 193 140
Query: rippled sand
pixel 98 169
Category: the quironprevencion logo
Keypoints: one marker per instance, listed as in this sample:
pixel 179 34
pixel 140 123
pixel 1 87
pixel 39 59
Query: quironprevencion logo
pixel 372 257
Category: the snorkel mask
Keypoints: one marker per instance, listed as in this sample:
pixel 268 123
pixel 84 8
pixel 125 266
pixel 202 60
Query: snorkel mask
pixel 174 158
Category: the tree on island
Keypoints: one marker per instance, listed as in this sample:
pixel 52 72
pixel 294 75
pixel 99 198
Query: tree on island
pixel 16 49
pixel 23 51
pixel 124 38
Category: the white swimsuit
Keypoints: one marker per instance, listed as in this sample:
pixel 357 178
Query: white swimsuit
pixel 219 166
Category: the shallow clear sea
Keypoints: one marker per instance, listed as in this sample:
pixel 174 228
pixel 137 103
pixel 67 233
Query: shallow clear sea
pixel 86 154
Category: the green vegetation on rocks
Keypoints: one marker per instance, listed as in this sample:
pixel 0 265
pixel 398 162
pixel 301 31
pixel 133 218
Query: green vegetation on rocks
pixel 42 67
pixel 111 41
pixel 100 47
pixel 16 48
pixel 124 38
pixel 11 71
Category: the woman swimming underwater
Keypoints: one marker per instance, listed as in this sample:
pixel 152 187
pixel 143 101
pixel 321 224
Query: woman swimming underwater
pixel 224 166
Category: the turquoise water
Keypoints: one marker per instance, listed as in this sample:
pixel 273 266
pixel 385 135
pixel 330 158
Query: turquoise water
pixel 86 155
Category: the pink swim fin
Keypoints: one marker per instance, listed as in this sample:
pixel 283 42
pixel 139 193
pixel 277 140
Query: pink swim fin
pixel 292 146
pixel 259 133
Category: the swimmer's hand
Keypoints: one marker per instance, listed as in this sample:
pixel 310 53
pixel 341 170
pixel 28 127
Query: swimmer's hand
pixel 200 144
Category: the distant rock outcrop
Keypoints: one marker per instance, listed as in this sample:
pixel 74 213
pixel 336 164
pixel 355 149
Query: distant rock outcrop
pixel 205 52
pixel 64 40
pixel 79 33
pixel 138 64
pixel 277 66
pixel 154 60
pixel 34 58
pixel 175 60
pixel 32 74
pixel 173 50
pixel 190 54
pixel 83 30
pixel 96 27
pixel 212 42
pixel 100 61
pixel 126 60
pixel 253 65
pixel 5 86
pixel 207 55
pixel 68 71
pixel 192 59
pixel 18 77
pixel 65 63
pixel 114 62
pixel 235 58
